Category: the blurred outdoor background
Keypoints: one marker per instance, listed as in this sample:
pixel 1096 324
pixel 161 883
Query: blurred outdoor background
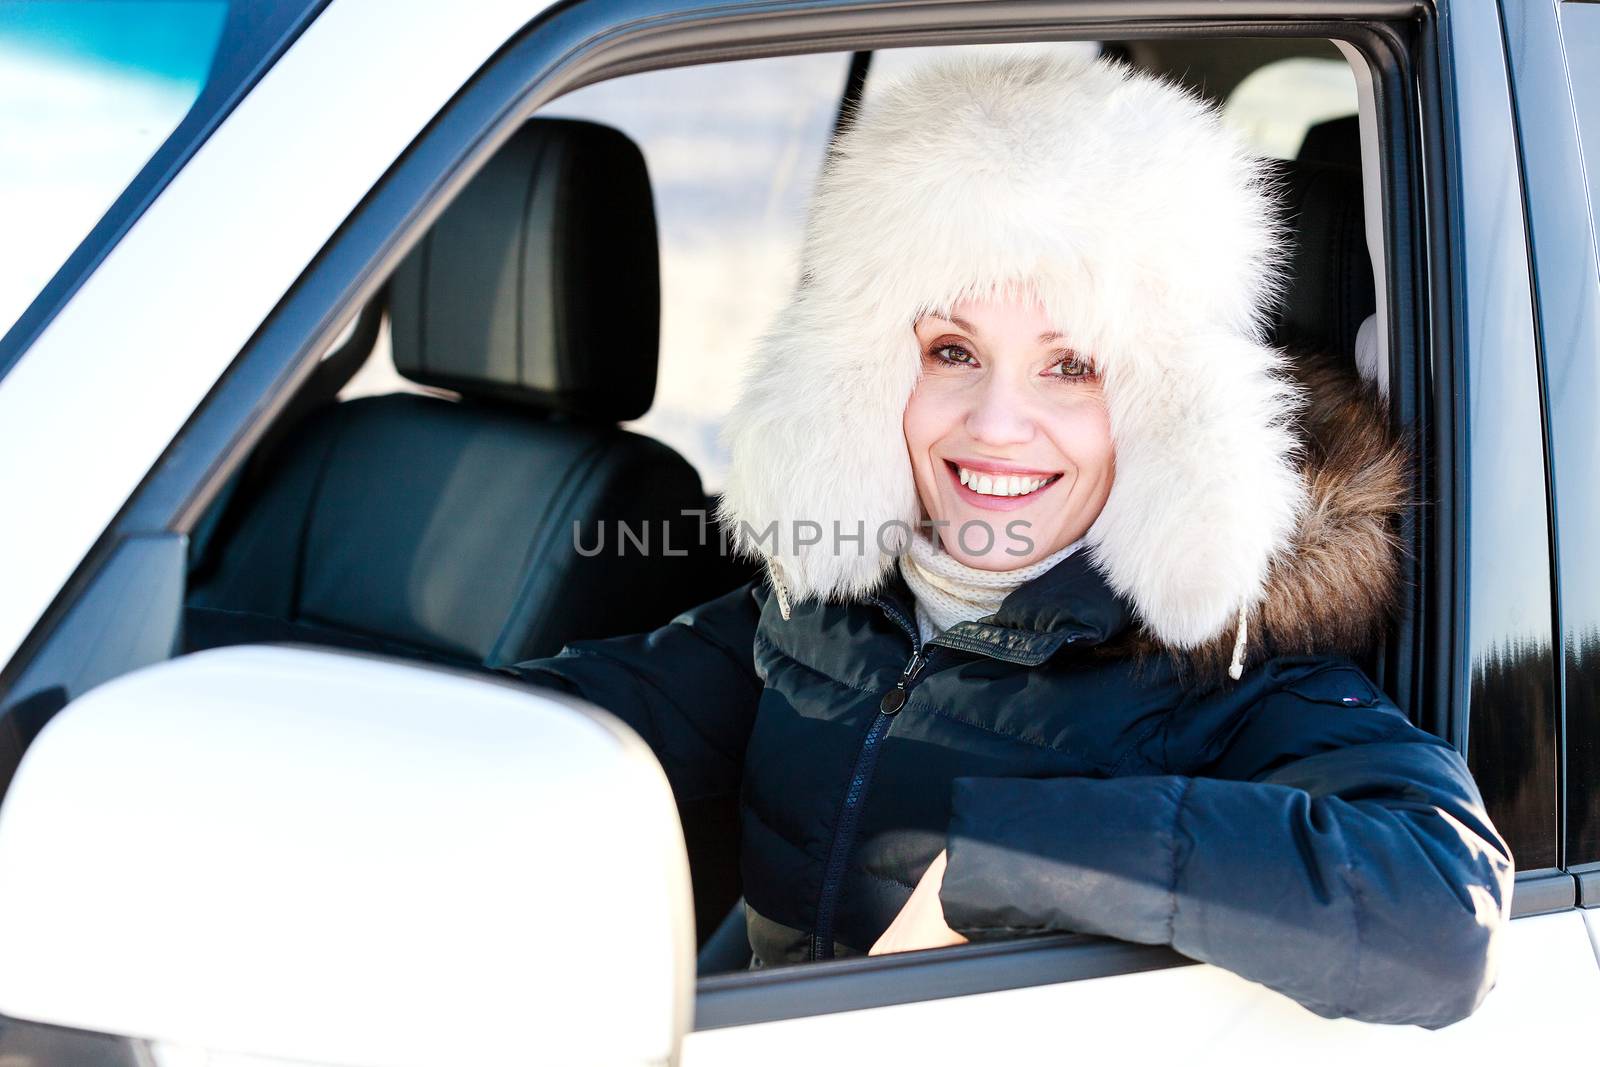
pixel 90 91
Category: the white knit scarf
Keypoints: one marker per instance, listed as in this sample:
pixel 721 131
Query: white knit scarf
pixel 948 591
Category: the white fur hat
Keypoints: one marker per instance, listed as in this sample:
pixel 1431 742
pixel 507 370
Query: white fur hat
pixel 1151 236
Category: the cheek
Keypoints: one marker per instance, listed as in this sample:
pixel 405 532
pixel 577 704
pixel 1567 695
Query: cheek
pixel 928 420
pixel 1083 434
pixel 929 416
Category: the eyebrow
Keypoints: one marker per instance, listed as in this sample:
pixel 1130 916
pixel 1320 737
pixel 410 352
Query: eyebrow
pixel 1044 338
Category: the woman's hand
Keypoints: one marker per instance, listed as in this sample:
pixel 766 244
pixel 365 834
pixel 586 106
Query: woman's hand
pixel 920 923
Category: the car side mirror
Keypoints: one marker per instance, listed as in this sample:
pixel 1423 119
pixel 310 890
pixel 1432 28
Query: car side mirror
pixel 320 856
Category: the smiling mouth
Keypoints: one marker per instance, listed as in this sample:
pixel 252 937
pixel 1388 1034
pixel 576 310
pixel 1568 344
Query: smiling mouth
pixel 1000 486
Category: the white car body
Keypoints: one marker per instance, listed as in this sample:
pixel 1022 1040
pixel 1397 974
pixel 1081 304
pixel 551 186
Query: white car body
pixel 91 405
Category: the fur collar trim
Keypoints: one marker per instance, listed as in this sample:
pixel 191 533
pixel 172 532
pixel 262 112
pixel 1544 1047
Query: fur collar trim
pixel 1151 236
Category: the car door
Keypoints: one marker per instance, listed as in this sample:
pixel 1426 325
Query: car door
pixel 332 213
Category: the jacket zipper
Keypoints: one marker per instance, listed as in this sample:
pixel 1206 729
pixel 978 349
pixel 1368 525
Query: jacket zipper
pixel 861 777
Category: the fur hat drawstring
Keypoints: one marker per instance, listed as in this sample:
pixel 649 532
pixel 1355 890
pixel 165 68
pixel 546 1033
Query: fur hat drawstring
pixel 1236 668
pixel 779 588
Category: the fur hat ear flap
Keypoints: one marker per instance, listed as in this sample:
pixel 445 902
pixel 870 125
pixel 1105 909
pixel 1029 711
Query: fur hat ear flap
pixel 822 490
pixel 1207 490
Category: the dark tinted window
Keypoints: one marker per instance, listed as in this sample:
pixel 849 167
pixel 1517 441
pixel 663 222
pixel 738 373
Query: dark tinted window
pixel 1512 744
pixel 1580 31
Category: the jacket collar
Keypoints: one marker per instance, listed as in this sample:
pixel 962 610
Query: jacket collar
pixel 1069 603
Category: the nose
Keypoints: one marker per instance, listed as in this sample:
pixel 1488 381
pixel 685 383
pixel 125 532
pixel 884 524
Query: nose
pixel 999 415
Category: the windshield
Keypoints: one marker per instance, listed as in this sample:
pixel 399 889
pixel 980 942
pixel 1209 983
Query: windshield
pixel 100 102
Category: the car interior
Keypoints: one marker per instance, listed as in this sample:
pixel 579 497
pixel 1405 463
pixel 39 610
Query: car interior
pixel 443 529
pixel 438 521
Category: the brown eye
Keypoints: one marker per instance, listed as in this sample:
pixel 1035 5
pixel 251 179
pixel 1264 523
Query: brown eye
pixel 951 353
pixel 1073 368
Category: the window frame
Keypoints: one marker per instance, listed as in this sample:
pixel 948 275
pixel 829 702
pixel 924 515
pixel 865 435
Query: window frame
pixel 588 41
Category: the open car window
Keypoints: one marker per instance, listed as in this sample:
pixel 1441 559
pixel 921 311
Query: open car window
pixel 733 150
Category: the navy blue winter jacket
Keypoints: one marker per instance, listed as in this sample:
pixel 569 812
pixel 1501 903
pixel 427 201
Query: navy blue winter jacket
pixel 1292 826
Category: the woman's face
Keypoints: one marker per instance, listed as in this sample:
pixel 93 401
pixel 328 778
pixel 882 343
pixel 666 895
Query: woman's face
pixel 1008 434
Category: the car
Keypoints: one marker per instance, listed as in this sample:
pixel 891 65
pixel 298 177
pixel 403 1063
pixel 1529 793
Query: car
pixel 320 418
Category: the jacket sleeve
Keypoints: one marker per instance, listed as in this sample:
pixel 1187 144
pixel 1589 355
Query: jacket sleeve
pixel 690 690
pixel 1348 864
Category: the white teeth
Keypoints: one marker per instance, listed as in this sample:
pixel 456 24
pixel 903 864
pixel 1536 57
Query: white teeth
pixel 999 485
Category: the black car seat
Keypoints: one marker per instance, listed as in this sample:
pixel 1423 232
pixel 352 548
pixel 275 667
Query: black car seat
pixel 1332 290
pixel 464 532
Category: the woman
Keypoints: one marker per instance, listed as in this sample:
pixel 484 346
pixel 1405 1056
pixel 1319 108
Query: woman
pixel 1062 567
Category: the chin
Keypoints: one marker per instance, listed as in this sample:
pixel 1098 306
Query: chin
pixel 996 558
pixel 996 561
pixel 999 560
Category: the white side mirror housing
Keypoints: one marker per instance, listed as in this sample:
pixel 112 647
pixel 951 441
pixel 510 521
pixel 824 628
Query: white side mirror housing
pixel 338 858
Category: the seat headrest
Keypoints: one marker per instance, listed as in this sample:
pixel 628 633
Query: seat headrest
pixel 540 283
pixel 1331 287
pixel 1333 141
